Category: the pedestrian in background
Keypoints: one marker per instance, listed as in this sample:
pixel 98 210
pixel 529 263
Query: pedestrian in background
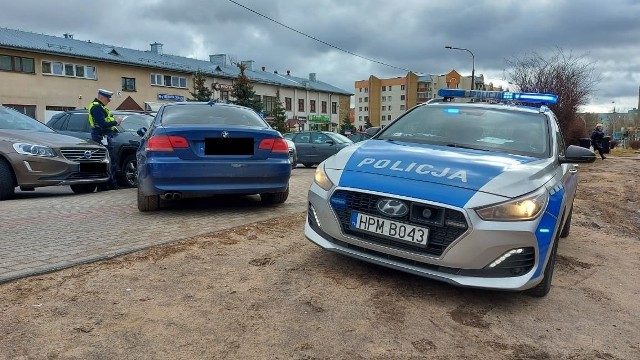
pixel 103 129
pixel 596 140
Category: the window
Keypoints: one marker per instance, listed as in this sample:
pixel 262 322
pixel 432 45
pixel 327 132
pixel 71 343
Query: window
pixel 29 110
pixel 401 87
pixel 366 90
pixel 402 107
pixel 78 122
pixel 366 108
pixel 390 87
pixel 360 108
pixel 384 108
pixel 334 107
pixel 268 103
pixel 128 84
pixel 312 106
pixel 323 107
pixel 384 98
pixel 168 80
pixel 17 64
pixel 287 104
pixel 359 89
pixel 360 100
pixel 366 99
pixel 389 107
pixel 69 70
pixel 300 104
pixel 402 97
pixel 224 96
pixel 384 88
pixel 390 98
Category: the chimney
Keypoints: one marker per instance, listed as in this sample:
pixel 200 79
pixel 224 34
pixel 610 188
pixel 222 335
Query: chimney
pixel 219 59
pixel 68 36
pixel 248 64
pixel 156 48
pixel 264 68
pixel 312 76
pixel 288 72
pixel 275 71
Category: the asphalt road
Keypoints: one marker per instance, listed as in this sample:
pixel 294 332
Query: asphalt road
pixel 52 228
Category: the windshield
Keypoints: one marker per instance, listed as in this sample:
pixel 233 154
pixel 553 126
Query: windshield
pixel 502 130
pixel 13 120
pixel 135 121
pixel 201 114
pixel 339 138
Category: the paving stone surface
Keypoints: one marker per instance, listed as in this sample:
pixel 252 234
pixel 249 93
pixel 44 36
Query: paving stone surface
pixel 52 228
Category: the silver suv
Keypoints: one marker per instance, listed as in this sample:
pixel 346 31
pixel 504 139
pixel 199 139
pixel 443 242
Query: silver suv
pixel 472 193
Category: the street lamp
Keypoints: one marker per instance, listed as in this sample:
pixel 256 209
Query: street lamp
pixel 473 64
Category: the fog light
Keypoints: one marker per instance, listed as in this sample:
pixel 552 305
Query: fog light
pixel 505 256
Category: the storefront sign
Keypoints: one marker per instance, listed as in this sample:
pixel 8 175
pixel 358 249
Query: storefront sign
pixel 320 118
pixel 170 97
pixel 221 87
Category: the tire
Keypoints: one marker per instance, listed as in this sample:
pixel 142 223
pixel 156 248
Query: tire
pixel 542 289
pixel 83 188
pixel 7 185
pixel 567 225
pixel 148 203
pixel 275 198
pixel 129 172
pixel 308 165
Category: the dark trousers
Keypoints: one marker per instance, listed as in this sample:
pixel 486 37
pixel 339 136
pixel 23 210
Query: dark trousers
pixel 599 149
pixel 113 181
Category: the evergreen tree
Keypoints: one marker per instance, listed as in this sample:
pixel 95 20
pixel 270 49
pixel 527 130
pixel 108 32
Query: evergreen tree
pixel 367 124
pixel 243 92
pixel 200 91
pixel 346 125
pixel 279 115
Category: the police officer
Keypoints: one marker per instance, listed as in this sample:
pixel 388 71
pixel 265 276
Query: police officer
pixel 103 129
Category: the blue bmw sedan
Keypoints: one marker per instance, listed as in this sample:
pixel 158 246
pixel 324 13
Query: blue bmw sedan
pixel 195 149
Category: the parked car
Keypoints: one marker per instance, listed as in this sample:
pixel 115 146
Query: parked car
pixel 476 194
pixel 201 149
pixel 314 147
pixel 126 142
pixel 359 136
pixel 293 153
pixel 33 155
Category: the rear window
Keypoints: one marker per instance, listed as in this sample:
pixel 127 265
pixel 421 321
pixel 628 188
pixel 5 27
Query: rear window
pixel 492 129
pixel 204 114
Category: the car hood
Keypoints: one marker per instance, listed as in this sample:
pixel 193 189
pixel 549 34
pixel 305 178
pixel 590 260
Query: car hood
pixel 51 139
pixel 437 173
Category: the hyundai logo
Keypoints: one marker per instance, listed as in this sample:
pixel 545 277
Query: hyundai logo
pixel 225 134
pixel 391 207
pixel 87 154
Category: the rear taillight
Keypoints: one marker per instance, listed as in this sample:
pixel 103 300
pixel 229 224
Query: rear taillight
pixel 166 143
pixel 275 145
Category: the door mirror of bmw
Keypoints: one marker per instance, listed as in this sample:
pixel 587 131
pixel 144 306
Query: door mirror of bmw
pixel 141 131
pixel 577 154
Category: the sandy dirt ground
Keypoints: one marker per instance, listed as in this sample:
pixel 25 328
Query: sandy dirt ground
pixel 263 291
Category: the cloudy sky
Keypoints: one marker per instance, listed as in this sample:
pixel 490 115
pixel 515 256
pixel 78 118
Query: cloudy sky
pixel 346 41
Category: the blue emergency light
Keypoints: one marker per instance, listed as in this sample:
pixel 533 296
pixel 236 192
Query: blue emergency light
pixel 533 98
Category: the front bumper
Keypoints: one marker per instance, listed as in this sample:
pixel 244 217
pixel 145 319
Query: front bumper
pixel 32 171
pixel 464 261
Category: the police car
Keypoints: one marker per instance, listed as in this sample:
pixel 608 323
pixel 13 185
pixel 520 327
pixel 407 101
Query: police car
pixel 474 189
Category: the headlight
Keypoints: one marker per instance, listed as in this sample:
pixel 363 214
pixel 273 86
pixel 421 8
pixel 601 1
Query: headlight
pixel 34 150
pixel 322 179
pixel 524 208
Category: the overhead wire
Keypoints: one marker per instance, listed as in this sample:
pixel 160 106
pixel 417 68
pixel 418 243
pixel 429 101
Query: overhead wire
pixel 318 40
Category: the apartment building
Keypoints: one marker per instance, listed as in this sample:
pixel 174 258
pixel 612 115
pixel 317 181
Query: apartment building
pixel 41 75
pixel 380 101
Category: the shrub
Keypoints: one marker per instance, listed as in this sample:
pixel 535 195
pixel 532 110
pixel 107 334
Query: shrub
pixel 635 144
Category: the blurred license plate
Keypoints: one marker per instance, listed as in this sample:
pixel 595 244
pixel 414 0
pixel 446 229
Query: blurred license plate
pixel 228 146
pixel 93 167
pixel 389 228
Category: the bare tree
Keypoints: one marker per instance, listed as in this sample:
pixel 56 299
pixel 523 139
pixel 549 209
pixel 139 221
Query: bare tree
pixel 570 77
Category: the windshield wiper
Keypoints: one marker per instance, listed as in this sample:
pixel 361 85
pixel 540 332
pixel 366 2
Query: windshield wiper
pixel 465 147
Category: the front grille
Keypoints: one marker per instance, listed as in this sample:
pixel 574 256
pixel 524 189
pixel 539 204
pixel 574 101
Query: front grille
pixel 79 154
pixel 445 225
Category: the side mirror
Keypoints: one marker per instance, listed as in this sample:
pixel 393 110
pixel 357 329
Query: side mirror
pixel 577 154
pixel 330 142
pixel 142 131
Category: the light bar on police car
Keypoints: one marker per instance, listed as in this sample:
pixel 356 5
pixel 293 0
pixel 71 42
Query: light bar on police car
pixel 537 98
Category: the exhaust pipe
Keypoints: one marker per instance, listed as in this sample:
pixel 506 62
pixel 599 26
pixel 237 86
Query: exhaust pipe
pixel 172 196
